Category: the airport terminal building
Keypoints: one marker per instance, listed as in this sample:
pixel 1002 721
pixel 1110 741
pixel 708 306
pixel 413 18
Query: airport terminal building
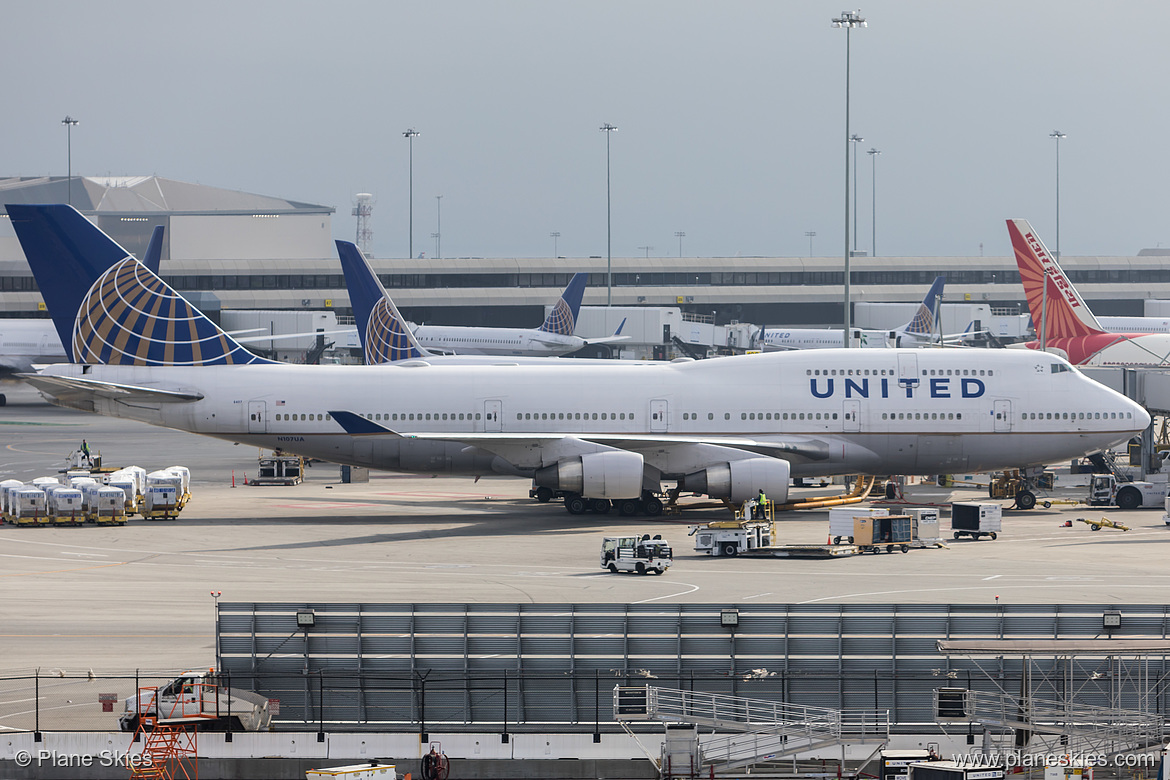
pixel 262 252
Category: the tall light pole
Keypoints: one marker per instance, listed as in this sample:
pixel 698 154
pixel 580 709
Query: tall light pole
pixel 848 20
pixel 680 235
pixel 1057 135
pixel 856 139
pixel 439 227
pixel 646 249
pixel 554 236
pixel 811 235
pixel 410 135
pixel 873 153
pixel 608 129
pixel 69 122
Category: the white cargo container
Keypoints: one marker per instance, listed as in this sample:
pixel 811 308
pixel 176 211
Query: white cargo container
pixel 129 494
pixel 107 506
pixel 42 482
pixel 5 487
pixel 841 520
pixel 184 483
pixel 28 506
pixel 161 500
pixel 924 524
pixel 65 505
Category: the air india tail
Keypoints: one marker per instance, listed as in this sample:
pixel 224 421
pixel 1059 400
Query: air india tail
pixel 1066 315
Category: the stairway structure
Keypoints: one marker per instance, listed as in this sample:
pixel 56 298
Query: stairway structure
pixel 749 731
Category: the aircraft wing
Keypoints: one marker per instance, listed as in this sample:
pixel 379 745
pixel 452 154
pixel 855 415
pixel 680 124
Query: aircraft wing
pixel 75 389
pixel 607 339
pixel 522 449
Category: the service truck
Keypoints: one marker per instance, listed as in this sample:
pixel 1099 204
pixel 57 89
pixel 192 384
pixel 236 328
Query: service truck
pixel 1106 490
pixel 199 695
pixel 730 538
pixel 632 553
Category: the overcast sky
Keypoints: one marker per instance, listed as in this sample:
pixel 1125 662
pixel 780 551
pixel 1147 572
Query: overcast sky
pixel 730 114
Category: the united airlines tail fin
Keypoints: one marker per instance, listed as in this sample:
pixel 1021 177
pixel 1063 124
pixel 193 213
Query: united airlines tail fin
pixel 562 319
pixel 922 324
pixel 109 308
pixel 384 335
pixel 153 257
pixel 1067 316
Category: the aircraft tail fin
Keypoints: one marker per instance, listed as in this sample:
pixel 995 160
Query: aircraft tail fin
pixel 109 308
pixel 383 331
pixel 153 257
pixel 1068 315
pixel 923 322
pixel 562 320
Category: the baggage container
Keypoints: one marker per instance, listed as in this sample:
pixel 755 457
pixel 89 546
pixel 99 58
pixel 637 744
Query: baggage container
pixel 107 507
pixel 161 501
pixel 892 532
pixel 184 474
pixel 129 495
pixel 924 524
pixel 28 506
pixel 65 505
pixel 5 487
pixel 41 482
pixel 976 520
pixel 841 520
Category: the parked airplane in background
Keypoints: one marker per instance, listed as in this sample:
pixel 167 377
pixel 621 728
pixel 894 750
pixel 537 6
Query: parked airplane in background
pixel 727 428
pixel 383 333
pixel 553 337
pixel 1070 329
pixel 919 331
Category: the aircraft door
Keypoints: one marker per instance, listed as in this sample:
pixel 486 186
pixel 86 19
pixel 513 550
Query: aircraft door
pixel 1003 416
pixel 851 415
pixel 257 417
pixel 659 415
pixel 907 368
pixel 493 416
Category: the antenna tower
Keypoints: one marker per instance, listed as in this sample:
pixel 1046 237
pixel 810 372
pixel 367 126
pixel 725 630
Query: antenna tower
pixel 363 208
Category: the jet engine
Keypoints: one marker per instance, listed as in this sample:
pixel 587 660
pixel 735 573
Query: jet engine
pixel 610 474
pixel 740 480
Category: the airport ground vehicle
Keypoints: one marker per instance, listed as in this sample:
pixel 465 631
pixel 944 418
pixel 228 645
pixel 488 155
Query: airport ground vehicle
pixel 639 554
pixel 199 694
pixel 976 520
pixel 841 521
pixel 1106 490
pixel 731 538
pixel 893 532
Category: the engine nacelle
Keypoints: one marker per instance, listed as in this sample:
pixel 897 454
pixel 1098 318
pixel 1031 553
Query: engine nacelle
pixel 740 480
pixel 611 474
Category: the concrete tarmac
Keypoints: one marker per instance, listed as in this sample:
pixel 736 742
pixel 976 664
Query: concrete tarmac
pixel 138 597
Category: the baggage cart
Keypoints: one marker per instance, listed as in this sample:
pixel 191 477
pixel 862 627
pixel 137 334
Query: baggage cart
pixel 841 521
pixel 976 520
pixel 891 532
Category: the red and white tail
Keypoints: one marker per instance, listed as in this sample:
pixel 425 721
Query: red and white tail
pixel 1068 315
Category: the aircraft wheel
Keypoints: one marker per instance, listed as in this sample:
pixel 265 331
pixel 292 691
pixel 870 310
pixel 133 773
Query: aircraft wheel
pixel 575 504
pixel 612 568
pixel 652 506
pixel 628 507
pixel 730 550
pixel 600 505
pixel 1025 499
pixel 1129 498
pixel 543 494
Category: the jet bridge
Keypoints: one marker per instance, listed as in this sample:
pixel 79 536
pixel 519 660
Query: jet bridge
pixel 748 731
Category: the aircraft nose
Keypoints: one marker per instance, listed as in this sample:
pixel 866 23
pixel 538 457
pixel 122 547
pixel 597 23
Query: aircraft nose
pixel 1141 418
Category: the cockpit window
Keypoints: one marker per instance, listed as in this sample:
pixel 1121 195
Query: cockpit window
pixel 1059 368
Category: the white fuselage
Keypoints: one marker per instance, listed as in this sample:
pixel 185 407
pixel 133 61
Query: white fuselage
pixel 24 342
pixel 826 412
pixel 496 341
pixel 1134 324
pixel 821 338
